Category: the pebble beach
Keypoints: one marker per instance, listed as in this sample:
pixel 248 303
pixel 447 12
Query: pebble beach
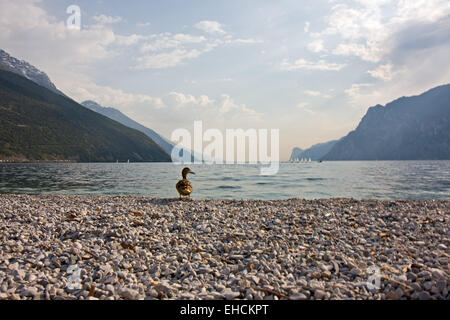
pixel 89 248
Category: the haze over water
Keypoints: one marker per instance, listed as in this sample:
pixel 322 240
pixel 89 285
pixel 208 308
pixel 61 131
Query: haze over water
pixel 393 180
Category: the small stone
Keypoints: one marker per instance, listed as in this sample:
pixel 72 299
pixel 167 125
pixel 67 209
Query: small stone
pixel 110 279
pixel 298 296
pixel 319 294
pixel 3 296
pixel 106 268
pixel 441 285
pixel 129 294
pixel 31 277
pixel 435 290
pixel 399 292
pixel 19 274
pixel 355 272
pixel 411 276
pixel 29 292
pixel 438 274
pixel 425 274
pixel 416 286
pixel 230 295
pixel 424 295
pixel 13 266
pixel 302 283
pixel 392 295
pixel 427 285
pixel 110 288
pixel 153 293
pixel 255 279
pixel 163 289
pixel 314 284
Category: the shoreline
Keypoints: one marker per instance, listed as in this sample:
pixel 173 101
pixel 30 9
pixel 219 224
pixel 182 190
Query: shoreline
pixel 134 247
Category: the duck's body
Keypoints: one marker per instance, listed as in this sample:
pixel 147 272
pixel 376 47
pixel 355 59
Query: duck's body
pixel 184 186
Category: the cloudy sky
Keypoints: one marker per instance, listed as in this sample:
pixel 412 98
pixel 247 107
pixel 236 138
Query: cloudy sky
pixel 308 68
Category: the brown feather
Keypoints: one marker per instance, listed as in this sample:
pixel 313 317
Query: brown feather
pixel 184 187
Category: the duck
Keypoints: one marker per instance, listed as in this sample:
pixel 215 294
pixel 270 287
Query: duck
pixel 184 186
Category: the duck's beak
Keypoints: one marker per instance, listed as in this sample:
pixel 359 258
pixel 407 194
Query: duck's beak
pixel 192 172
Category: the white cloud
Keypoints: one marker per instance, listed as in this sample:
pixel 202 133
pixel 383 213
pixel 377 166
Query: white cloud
pixel 212 27
pixel 314 93
pixel 102 19
pixel 129 40
pixel 29 30
pixel 404 43
pixel 29 33
pixel 167 59
pixel 366 31
pixel 143 24
pixel 384 72
pixel 306 27
pixel 158 42
pixel 246 41
pixel 321 65
pixel 367 53
pixel 224 79
pixel 304 107
pixel 316 46
pixel 173 110
pixel 355 89
pixel 361 97
pixel 170 50
pixel 108 96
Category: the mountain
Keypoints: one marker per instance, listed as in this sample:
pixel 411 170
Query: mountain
pixel 38 124
pixel 118 116
pixel 123 119
pixel 24 69
pixel 296 154
pixel 315 152
pixel 409 128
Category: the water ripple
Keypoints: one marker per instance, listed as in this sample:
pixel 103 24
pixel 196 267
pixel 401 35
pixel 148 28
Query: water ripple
pixel 360 180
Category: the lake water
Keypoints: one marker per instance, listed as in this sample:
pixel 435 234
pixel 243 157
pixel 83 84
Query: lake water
pixel 357 179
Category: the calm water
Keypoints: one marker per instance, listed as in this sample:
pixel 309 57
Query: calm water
pixel 360 180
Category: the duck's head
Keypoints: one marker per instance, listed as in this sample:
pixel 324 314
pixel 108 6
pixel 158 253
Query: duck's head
pixel 186 171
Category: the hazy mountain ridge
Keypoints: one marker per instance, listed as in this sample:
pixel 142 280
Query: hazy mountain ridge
pixel 38 124
pixel 296 154
pixel 125 120
pixel 315 152
pixel 118 116
pixel 409 128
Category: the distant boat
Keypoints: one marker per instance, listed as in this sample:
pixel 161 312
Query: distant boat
pixel 128 161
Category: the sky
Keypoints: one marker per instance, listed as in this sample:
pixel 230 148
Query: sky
pixel 308 68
